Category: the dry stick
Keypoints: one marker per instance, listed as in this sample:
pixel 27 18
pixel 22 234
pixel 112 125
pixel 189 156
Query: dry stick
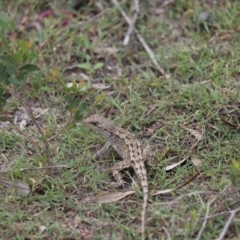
pixel 40 168
pixel 167 233
pixel 227 225
pixel 140 38
pixel 150 53
pixel 137 6
pixel 133 22
pixel 205 220
pixel 130 29
pixel 46 144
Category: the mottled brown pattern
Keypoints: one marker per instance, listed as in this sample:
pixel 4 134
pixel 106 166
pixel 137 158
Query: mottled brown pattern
pixel 128 147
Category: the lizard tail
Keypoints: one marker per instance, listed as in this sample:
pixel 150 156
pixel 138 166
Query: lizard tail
pixel 145 199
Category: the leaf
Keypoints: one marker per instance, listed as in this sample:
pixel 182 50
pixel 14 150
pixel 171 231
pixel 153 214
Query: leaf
pixel 195 133
pixel 2 102
pixel 98 66
pixel 196 161
pixel 81 108
pixel 82 86
pixel 4 40
pixel 3 75
pixel 18 186
pixel 3 16
pixel 13 80
pixel 10 69
pixel 4 24
pixel 12 25
pixel 85 66
pixel 174 165
pixel 4 59
pixel 2 91
pixel 112 196
pixel 29 67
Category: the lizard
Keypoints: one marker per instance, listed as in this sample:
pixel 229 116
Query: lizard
pixel 129 148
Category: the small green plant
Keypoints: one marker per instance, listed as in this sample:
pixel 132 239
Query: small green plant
pixel 21 78
pixel 18 78
pixel 235 172
pixel 90 68
pixel 16 59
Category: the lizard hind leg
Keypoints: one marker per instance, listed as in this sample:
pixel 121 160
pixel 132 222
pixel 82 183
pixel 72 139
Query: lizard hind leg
pixel 116 172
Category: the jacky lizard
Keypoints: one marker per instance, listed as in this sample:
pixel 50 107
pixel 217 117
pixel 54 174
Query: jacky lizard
pixel 128 147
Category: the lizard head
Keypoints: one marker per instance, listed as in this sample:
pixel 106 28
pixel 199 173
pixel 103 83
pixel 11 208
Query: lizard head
pixel 99 125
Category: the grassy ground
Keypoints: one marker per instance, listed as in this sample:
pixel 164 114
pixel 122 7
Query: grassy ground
pixel 199 91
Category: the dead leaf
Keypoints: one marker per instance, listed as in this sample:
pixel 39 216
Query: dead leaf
pixel 165 153
pixel 22 124
pixel 18 186
pixel 39 48
pixel 112 196
pixel 21 116
pixel 34 181
pixel 24 20
pixel 196 161
pixel 106 50
pixel 163 191
pixel 195 133
pixel 229 123
pixel 100 86
pixel 5 163
pixel 174 165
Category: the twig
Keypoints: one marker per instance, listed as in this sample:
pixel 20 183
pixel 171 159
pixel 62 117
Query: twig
pixel 227 225
pixel 176 200
pixel 140 38
pixel 130 29
pixel 60 131
pixel 205 220
pixel 133 22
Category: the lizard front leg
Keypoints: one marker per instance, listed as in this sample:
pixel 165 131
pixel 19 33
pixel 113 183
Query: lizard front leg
pixel 102 151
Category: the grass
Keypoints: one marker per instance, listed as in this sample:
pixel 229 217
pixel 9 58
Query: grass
pixel 200 86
